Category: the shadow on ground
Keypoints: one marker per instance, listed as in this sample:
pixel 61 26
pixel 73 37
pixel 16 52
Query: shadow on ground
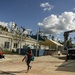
pixel 10 72
pixel 63 57
pixel 68 66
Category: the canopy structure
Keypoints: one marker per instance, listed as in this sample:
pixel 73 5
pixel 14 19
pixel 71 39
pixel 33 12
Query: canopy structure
pixel 58 44
pixel 49 42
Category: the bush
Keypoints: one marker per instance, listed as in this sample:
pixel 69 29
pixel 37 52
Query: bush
pixel 8 52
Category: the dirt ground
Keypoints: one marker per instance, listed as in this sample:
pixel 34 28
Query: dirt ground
pixel 42 65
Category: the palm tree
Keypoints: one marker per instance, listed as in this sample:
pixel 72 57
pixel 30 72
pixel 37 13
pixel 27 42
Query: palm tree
pixel 3 28
pixel 23 29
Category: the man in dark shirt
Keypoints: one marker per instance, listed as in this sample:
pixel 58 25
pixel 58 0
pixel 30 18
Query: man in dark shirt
pixel 29 54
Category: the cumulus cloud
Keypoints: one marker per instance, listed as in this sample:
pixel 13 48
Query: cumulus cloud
pixel 4 24
pixel 46 6
pixel 40 24
pixel 54 24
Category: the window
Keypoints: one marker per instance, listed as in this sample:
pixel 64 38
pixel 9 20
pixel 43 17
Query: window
pixel 6 45
pixel 15 45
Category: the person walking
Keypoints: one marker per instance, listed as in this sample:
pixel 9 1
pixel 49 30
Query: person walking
pixel 27 58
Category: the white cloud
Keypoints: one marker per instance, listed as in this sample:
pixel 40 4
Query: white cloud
pixel 73 9
pixel 40 24
pixel 57 38
pixel 4 24
pixel 54 24
pixel 46 6
pixel 27 31
pixel 12 24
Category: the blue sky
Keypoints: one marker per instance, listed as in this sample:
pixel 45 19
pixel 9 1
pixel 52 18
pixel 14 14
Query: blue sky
pixel 53 16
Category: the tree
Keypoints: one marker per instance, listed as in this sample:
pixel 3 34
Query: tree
pixel 23 29
pixel 3 28
pixel 52 37
pixel 59 41
pixel 69 43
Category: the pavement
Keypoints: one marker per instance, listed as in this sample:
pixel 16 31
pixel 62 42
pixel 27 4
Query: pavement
pixel 42 65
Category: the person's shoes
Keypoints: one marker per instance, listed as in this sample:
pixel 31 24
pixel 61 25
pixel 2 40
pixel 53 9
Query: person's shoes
pixel 27 71
pixel 30 67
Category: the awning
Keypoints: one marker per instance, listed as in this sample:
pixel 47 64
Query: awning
pixel 49 42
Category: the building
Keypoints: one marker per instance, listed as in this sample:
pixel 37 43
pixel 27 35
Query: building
pixel 11 41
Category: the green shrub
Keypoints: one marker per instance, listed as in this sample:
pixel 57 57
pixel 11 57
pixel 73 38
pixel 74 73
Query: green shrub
pixel 8 52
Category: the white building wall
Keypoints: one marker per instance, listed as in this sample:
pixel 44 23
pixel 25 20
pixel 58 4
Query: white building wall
pixel 31 43
pixel 4 39
pixel 10 38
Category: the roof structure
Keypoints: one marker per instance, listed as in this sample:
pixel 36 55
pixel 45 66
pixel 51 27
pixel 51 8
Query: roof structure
pixel 50 42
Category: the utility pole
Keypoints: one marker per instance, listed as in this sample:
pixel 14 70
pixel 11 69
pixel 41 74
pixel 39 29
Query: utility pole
pixel 38 33
pixel 20 43
pixel 37 43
